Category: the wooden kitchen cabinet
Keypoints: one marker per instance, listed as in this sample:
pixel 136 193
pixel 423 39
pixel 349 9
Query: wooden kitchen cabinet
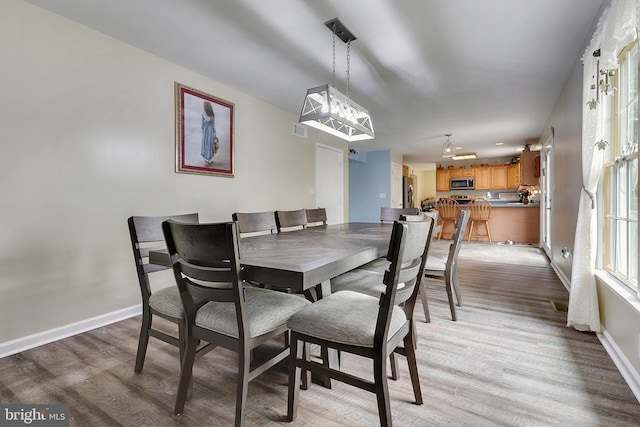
pixel 498 177
pixel 461 173
pixel 513 176
pixel 483 178
pixel 442 179
pixel 530 168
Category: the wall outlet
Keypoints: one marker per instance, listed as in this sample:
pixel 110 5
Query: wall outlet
pixel 383 195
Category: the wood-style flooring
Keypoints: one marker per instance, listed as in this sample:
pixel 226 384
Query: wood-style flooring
pixel 509 360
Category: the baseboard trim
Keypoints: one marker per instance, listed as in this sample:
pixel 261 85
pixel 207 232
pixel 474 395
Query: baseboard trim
pixel 564 279
pixel 627 371
pixel 31 341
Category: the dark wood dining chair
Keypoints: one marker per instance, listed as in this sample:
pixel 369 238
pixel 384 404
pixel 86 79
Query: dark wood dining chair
pixel 447 268
pixel 367 326
pixel 316 216
pixel 146 235
pixel 206 265
pixel 291 219
pixel 393 214
pixel 255 222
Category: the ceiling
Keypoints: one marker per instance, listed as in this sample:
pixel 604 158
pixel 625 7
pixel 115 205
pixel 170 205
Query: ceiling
pixel 485 71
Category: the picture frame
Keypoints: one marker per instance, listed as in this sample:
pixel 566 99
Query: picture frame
pixel 204 133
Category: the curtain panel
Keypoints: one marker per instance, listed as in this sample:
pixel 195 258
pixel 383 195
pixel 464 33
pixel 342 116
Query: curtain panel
pixel 616 28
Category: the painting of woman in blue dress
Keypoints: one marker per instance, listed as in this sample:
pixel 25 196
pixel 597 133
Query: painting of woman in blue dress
pixel 208 133
pixel 204 133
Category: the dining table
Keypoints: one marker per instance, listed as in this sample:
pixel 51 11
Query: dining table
pixel 308 258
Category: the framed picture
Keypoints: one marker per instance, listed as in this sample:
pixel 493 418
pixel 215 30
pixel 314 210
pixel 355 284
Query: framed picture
pixel 204 133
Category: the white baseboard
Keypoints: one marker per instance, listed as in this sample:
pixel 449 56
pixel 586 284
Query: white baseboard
pixel 630 375
pixel 25 343
pixel 564 279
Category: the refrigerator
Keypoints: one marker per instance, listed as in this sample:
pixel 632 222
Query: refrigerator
pixel 408 192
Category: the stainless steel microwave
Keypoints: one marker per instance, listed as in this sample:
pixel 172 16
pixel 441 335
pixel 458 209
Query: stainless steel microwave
pixel 462 184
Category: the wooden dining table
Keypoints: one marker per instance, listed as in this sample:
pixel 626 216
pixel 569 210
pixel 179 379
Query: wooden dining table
pixel 308 258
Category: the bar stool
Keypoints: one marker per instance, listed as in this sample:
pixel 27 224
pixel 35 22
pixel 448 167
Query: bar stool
pixel 448 209
pixel 480 212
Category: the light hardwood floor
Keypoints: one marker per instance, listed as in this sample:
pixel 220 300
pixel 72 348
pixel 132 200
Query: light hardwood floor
pixel 510 360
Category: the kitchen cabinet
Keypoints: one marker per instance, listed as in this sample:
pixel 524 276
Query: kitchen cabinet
pixel 483 178
pixel 442 179
pixel 530 168
pixel 513 176
pixel 461 173
pixel 499 177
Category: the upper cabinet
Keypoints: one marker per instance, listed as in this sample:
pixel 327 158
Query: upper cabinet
pixel 530 168
pixel 513 175
pixel 483 178
pixel 442 179
pixel 462 173
pixel 499 177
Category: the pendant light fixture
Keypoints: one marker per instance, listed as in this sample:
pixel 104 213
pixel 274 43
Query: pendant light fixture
pixel 448 150
pixel 331 111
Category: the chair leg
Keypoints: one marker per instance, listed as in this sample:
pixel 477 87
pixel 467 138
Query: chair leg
pixel 413 367
pixel 395 372
pixel 382 389
pixel 185 375
pixel 182 346
pixel 244 365
pixel 488 231
pixel 294 378
pixel 471 230
pixel 456 287
pixel 425 305
pixel 452 304
pixel 143 341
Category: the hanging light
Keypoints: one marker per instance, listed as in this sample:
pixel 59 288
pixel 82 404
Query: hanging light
pixel 448 150
pixel 331 111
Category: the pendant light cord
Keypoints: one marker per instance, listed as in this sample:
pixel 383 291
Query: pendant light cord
pixel 348 64
pixel 334 56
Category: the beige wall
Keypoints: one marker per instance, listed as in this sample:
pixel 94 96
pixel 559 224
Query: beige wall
pixel 87 136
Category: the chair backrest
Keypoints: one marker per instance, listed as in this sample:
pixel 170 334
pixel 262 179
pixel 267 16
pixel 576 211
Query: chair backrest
pixel 432 214
pixel 288 219
pixel 454 249
pixel 480 209
pixel 408 248
pixel 146 235
pixel 448 208
pixel 393 214
pixel 316 216
pixel 255 222
pixel 205 262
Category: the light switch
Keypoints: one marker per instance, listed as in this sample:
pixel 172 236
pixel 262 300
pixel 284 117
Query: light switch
pixel 383 195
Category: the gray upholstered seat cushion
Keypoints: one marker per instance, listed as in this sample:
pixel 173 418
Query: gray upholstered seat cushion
pixel 345 317
pixel 266 309
pixel 436 262
pixel 359 280
pixel 167 301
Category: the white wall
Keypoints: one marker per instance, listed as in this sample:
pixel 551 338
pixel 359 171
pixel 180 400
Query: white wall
pixel 87 137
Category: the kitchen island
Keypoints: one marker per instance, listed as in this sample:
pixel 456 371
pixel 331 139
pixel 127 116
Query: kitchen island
pixel 509 221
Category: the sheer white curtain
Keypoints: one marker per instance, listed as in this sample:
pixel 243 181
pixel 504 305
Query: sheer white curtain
pixel 616 28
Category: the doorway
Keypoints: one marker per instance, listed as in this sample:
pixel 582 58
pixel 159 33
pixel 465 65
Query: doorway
pixel 330 182
pixel 547 192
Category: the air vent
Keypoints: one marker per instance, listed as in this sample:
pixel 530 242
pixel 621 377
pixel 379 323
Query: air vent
pixel 299 130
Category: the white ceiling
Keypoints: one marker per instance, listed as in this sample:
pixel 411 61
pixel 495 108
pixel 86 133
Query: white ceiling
pixel 486 71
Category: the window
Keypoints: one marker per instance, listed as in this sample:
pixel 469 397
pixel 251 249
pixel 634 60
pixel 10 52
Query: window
pixel 621 176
